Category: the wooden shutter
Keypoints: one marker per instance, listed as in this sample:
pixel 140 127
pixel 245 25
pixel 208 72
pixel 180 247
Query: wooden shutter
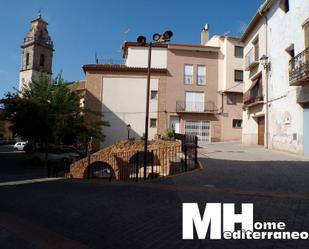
pixel 306 31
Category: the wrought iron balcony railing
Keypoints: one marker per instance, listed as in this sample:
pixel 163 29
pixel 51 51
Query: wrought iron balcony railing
pixel 253 96
pixel 251 58
pixel 196 107
pixel 251 99
pixel 299 68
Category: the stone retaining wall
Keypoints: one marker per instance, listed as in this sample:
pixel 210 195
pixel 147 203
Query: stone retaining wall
pixel 167 161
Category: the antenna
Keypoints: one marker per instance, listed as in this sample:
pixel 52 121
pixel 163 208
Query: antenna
pixel 125 34
pixel 96 58
pixel 40 13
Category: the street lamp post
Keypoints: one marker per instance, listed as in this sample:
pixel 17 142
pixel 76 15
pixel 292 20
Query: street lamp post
pixel 129 129
pixel 158 39
pixel 266 64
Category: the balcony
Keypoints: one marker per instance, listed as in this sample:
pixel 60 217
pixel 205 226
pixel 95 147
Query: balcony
pixel 254 96
pixel 251 59
pixel 302 96
pixel 196 107
pixel 299 69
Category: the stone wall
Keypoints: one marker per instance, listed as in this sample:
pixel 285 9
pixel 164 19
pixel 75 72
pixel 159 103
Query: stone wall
pixel 167 160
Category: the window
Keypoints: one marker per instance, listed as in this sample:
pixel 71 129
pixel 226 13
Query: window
pixel 239 75
pixel 256 49
pixel 194 102
pixel 284 5
pixel 153 123
pixel 231 99
pixel 188 74
pixel 154 94
pixel 201 73
pixel 239 52
pixel 27 59
pixel 237 123
pixel 42 60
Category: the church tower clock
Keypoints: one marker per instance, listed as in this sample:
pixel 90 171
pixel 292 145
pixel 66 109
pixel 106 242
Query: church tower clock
pixel 37 53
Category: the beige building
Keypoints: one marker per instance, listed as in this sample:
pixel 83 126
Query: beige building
pixel 230 84
pixel 188 90
pixel 118 91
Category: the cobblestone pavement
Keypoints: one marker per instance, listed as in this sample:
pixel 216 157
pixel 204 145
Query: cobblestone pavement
pixel 100 214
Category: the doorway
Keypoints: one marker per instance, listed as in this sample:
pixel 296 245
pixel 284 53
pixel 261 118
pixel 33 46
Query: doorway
pixel 306 132
pixel 174 123
pixel 261 130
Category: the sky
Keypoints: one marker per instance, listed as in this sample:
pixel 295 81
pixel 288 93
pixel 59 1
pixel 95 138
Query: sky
pixel 80 29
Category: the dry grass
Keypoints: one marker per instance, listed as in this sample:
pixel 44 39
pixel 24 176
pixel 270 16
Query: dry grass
pixel 126 145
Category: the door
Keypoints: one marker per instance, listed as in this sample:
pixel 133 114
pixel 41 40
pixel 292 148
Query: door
pixel 174 123
pixel 306 131
pixel 194 102
pixel 199 128
pixel 261 130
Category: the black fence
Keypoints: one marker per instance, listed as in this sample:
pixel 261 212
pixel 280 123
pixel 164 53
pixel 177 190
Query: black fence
pixel 160 162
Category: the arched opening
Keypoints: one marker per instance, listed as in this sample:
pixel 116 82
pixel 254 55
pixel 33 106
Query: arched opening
pixel 101 170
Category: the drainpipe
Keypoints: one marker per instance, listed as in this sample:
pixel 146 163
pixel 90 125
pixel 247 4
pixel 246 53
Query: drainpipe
pixel 266 83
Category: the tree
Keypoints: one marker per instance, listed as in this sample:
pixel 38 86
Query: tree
pixel 50 113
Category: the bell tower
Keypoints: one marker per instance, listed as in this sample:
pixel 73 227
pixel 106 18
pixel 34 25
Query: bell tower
pixel 37 53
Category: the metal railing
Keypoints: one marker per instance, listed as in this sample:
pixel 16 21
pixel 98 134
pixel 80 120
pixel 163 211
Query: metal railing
pixel 251 58
pixel 203 107
pixel 299 66
pixel 110 61
pixel 251 97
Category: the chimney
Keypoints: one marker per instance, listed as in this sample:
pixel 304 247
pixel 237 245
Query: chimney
pixel 204 35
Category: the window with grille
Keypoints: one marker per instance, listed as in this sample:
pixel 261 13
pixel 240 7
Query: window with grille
pixel 199 128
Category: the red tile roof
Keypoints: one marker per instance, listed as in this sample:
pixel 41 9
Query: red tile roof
pixel 121 68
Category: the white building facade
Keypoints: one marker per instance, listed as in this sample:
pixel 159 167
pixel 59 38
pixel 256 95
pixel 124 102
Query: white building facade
pixel 275 114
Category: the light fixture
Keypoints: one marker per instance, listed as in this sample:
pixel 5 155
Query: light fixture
pixel 156 37
pixel 167 35
pixel 129 129
pixel 141 39
pixel 264 61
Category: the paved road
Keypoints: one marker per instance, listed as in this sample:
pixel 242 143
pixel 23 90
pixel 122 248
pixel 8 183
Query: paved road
pixel 99 214
pixel 15 166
